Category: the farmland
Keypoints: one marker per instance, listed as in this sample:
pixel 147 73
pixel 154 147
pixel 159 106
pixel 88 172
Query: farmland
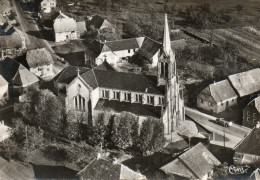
pixel 246 39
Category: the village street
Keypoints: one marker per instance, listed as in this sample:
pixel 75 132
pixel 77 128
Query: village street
pixel 29 26
pixel 234 134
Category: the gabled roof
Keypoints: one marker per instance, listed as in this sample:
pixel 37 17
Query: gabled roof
pixel 107 170
pixel 98 21
pixel 3 82
pixel 69 73
pixel 193 164
pixel 222 91
pixel 16 74
pixel 38 57
pixel 123 44
pixel 105 66
pixel 255 175
pixel 64 23
pixel 246 83
pixel 121 81
pixel 11 41
pixel 250 144
pixel 135 108
pixel 149 48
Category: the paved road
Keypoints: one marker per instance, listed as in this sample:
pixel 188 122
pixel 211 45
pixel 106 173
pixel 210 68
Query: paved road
pixel 235 133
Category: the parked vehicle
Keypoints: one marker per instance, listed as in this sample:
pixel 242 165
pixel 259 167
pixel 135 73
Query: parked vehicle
pixel 223 122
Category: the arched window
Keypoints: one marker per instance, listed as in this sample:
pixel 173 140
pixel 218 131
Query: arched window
pixel 162 69
pixel 166 70
pixel 79 103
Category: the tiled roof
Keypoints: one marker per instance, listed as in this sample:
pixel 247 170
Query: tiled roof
pixel 107 170
pixel 246 83
pixel 3 82
pixel 149 48
pixel 105 66
pixel 74 58
pixel 135 108
pixel 96 21
pixel 196 161
pixel 69 73
pixel 16 73
pixel 38 57
pixel 123 81
pixel 123 44
pixel 222 91
pixel 11 41
pixel 64 23
pixel 250 144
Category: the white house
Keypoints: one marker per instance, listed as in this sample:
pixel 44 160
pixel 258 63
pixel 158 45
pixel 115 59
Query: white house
pixel 40 62
pixel 48 5
pixel 115 51
pixel 4 93
pixel 65 28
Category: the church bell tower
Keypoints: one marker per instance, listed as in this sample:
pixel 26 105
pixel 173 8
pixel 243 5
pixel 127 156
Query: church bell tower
pixel 167 76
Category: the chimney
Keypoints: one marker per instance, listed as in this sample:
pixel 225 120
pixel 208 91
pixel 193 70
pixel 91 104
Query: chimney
pixel 257 125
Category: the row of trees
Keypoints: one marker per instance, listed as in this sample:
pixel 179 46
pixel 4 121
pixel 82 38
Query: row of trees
pixel 42 111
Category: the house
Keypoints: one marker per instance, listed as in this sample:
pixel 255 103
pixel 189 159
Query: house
pixel 65 28
pixel 4 131
pixel 217 97
pixel 246 83
pixel 48 6
pixel 12 41
pixel 99 90
pixel 18 77
pixel 251 113
pixel 40 62
pixel 104 169
pixel 247 150
pixel 5 9
pixel 81 28
pixel 115 51
pixel 99 23
pixel 196 163
pixel 4 92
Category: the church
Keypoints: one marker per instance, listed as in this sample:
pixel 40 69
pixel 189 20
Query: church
pixel 96 90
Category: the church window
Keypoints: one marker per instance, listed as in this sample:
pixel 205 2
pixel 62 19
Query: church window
pixel 127 96
pixel 79 103
pixel 161 100
pixel 166 70
pixel 129 50
pixel 116 95
pixel 138 98
pixel 105 94
pixel 162 69
pixel 150 99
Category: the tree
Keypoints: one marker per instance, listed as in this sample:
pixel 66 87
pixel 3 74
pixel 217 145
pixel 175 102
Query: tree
pixel 124 127
pixel 42 108
pixel 8 149
pixel 221 171
pixel 151 136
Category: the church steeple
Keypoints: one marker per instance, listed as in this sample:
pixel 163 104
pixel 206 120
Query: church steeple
pixel 166 37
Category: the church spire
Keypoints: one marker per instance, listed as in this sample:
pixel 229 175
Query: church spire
pixel 166 37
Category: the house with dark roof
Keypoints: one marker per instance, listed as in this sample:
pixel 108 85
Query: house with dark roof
pixel 247 150
pixel 99 23
pixel 12 41
pixel 100 90
pixel 217 97
pixel 48 6
pixel 251 113
pixel 246 83
pixel 104 169
pixel 40 62
pixel 4 92
pixel 115 51
pixel 196 163
pixel 18 77
pixel 65 28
